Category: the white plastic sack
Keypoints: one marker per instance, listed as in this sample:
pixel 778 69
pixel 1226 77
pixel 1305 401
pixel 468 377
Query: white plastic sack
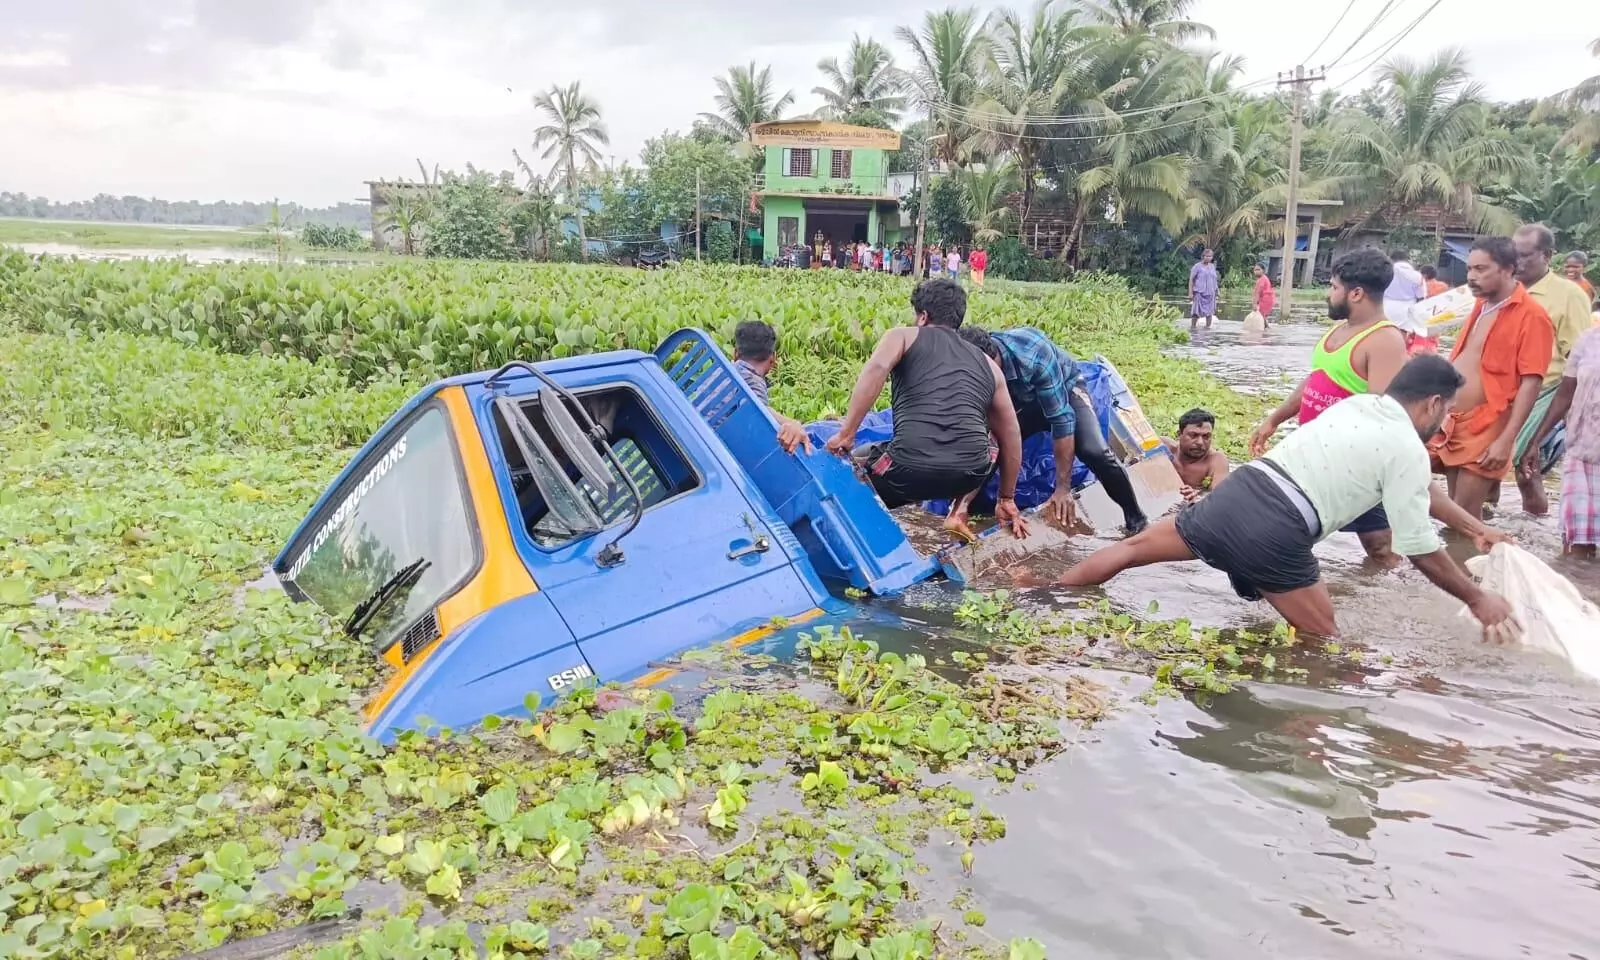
pixel 1254 322
pixel 1553 615
pixel 1443 312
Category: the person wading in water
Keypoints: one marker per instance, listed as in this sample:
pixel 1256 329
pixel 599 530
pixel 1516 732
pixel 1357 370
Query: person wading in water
pixel 1360 354
pixel 947 399
pixel 1503 351
pixel 1199 466
pixel 1260 526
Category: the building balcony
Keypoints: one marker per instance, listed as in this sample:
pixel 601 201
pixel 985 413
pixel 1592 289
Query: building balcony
pixel 866 188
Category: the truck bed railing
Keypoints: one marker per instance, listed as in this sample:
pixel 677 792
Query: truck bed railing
pixel 839 522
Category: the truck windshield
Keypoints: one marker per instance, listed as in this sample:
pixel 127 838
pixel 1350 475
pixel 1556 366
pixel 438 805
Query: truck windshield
pixel 403 511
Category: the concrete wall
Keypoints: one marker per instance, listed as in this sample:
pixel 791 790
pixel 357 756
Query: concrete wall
pixel 867 172
pixel 775 208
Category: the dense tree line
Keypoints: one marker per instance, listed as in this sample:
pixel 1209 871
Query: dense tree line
pixel 220 213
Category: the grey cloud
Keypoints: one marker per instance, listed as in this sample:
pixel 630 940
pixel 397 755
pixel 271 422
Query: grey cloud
pixel 138 42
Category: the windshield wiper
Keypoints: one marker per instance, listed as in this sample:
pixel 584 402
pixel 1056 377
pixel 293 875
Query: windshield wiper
pixel 367 610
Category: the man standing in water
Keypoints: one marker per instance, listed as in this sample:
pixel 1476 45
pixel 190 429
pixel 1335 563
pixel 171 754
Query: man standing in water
pixel 1568 308
pixel 1260 526
pixel 1040 379
pixel 1199 466
pixel 947 399
pixel 1503 353
pixel 1203 286
pixel 1360 354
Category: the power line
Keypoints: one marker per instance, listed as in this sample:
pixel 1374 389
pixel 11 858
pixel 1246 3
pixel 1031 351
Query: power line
pixel 971 114
pixel 1390 45
pixel 1329 35
pixel 1378 18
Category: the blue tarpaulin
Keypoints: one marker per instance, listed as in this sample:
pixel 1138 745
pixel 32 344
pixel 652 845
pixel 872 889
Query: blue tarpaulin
pixel 1036 481
pixel 1457 250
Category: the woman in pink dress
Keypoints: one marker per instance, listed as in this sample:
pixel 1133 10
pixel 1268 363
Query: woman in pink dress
pixel 1266 299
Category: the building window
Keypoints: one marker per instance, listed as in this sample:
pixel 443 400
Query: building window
pixel 841 164
pixel 800 163
pixel 788 232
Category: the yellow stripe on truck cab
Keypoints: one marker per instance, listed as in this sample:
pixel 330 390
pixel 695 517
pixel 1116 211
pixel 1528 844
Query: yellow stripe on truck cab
pixel 502 576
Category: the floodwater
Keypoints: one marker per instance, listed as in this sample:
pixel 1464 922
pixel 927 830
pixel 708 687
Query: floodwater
pixel 1431 797
pixel 192 254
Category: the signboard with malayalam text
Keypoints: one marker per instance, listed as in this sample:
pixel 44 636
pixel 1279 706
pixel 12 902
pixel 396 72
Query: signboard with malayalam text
pixel 821 133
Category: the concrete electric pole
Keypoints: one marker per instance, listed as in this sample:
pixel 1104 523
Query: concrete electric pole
pixel 1291 215
pixel 923 176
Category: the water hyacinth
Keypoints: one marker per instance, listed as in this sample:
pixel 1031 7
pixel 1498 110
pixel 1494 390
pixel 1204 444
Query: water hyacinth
pixel 414 321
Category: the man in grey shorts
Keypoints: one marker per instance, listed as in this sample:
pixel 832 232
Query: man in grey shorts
pixel 1260 526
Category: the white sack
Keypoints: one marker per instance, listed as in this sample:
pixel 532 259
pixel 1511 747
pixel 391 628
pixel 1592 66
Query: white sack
pixel 1254 322
pixel 1553 615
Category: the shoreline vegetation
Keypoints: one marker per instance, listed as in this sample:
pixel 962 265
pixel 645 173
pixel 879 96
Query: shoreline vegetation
pixel 168 240
pixel 184 767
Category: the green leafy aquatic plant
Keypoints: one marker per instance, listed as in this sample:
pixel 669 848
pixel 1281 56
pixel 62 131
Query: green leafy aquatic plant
pixel 412 321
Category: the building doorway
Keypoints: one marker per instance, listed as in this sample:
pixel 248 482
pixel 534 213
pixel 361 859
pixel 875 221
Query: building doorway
pixel 840 223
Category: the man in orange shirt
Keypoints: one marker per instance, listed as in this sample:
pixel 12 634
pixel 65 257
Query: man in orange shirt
pixel 1503 353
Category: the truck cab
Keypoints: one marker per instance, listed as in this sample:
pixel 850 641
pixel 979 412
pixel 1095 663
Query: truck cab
pixel 510 534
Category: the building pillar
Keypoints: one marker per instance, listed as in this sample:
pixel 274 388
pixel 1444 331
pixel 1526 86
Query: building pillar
pixel 1311 247
pixel 872 225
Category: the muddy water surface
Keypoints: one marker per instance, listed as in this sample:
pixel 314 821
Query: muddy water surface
pixel 1419 795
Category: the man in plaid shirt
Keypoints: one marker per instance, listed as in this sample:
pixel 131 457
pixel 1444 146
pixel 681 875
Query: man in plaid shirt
pixel 1040 377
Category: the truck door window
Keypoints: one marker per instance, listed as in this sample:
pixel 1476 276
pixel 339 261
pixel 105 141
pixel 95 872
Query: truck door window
pixel 557 513
pixel 406 504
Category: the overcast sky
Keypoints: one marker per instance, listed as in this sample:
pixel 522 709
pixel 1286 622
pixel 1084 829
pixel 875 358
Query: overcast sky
pixel 305 99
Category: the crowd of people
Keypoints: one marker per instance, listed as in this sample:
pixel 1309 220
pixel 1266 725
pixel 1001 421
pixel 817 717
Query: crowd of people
pixel 824 253
pixel 1377 419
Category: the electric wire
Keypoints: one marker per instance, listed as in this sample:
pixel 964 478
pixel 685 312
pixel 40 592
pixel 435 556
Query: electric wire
pixel 1329 35
pixel 1378 18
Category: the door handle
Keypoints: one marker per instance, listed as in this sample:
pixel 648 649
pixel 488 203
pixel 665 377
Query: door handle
pixel 760 545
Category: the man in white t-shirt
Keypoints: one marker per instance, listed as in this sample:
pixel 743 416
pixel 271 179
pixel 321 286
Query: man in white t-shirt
pixel 1405 290
pixel 1259 527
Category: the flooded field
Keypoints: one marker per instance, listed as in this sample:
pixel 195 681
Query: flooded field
pixel 1407 793
pixel 1417 794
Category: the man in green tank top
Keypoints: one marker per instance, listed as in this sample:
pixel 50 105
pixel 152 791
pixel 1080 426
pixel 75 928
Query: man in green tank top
pixel 1360 354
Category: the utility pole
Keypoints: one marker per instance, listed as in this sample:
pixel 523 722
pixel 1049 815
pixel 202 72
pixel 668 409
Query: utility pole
pixel 1291 213
pixel 697 213
pixel 923 176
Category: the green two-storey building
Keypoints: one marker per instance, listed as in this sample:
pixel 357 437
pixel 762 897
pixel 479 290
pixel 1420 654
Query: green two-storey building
pixel 829 180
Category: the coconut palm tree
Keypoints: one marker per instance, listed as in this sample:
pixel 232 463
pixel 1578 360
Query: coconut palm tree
pixel 745 97
pixel 1585 98
pixel 572 139
pixel 947 60
pixel 867 82
pixel 1141 164
pixel 1238 182
pixel 1165 20
pixel 1036 68
pixel 1430 143
pixel 985 197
